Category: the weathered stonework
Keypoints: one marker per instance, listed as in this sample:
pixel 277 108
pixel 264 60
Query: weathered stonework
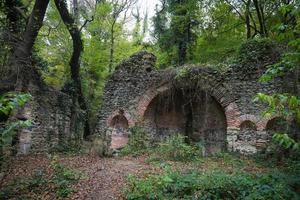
pixel 49 111
pixel 220 102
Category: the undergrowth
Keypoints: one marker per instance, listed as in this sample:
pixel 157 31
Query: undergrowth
pixel 172 148
pixel 33 187
pixel 214 184
pixel 138 142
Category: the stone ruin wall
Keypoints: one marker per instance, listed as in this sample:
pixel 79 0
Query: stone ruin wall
pixel 49 111
pixel 130 98
pixel 135 86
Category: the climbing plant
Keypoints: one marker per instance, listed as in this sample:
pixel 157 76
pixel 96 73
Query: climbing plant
pixel 286 104
pixel 8 103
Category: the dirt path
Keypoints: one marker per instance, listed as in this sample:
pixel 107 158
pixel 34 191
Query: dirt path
pixel 107 178
pixel 103 178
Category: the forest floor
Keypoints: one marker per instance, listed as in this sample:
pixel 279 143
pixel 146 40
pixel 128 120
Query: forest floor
pixel 104 178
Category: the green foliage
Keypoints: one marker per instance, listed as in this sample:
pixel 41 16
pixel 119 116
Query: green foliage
pixel 289 62
pixel 29 188
pixel 138 142
pixel 175 26
pixel 221 33
pixel 32 187
pixel 63 178
pixel 286 141
pixel 286 105
pixel 8 103
pixel 175 148
pixel 255 50
pixel 196 184
pixel 181 73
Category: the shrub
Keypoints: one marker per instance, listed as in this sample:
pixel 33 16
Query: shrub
pixel 98 146
pixel 175 148
pixel 63 178
pixel 24 188
pixel 210 185
pixel 138 142
pixel 255 50
pixel 9 102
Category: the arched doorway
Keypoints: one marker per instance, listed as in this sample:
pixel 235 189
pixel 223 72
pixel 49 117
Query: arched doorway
pixel 120 133
pixel 191 112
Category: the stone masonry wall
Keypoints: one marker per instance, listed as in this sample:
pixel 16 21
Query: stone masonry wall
pixel 136 83
pixel 49 111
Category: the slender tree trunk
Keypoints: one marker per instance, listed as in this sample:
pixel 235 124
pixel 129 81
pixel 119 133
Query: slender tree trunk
pixel 13 18
pixel 262 13
pixel 112 44
pixel 76 11
pixel 21 69
pixel 260 17
pixel 181 52
pixel 247 19
pixel 77 95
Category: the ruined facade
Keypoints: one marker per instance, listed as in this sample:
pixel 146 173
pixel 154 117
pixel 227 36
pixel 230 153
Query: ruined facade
pixel 214 107
pixel 49 111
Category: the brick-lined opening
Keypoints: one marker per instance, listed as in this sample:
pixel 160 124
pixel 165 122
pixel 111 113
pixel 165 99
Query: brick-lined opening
pixel 247 134
pixel 191 112
pixel 219 93
pixel 120 133
pixel 276 125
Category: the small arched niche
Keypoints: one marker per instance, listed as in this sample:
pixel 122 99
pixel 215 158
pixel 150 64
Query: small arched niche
pixel 120 133
pixel 248 125
pixel 247 131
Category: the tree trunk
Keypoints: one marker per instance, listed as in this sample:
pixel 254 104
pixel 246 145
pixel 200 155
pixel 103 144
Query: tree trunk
pixel 77 94
pixel 181 52
pixel 112 44
pixel 247 19
pixel 260 17
pixel 21 70
pixel 76 11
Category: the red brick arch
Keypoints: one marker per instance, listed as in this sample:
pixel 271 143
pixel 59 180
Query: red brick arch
pixel 264 122
pixel 252 118
pixel 130 120
pixel 220 94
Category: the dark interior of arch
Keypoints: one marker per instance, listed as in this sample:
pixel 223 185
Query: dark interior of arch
pixel 276 125
pixel 247 132
pixel 193 113
pixel 119 121
pixel 248 125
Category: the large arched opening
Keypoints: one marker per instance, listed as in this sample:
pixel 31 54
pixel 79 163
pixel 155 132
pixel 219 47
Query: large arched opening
pixel 194 113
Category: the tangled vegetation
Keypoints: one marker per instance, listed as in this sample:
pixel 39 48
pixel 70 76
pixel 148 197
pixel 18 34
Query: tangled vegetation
pixel 205 185
pixel 60 182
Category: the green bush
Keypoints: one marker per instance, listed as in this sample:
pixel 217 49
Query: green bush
pixel 9 103
pixel 175 148
pixel 255 50
pixel 138 142
pixel 24 188
pixel 63 178
pixel 211 185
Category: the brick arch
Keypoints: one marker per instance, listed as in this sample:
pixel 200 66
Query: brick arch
pixel 130 120
pixel 219 93
pixel 252 118
pixel 264 122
